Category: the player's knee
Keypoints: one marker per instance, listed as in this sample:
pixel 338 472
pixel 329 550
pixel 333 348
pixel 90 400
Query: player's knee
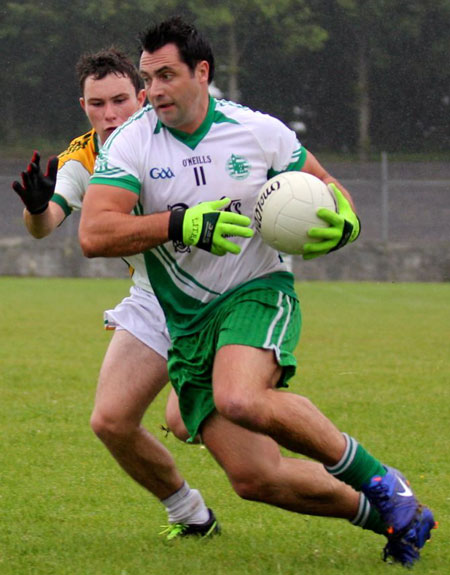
pixel 242 410
pixel 174 420
pixel 251 485
pixel 100 424
pixel 176 426
pixel 108 427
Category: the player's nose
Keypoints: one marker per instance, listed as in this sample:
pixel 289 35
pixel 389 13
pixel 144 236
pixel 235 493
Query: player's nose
pixel 155 89
pixel 110 111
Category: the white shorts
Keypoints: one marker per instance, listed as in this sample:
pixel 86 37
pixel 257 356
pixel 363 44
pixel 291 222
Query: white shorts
pixel 288 261
pixel 141 315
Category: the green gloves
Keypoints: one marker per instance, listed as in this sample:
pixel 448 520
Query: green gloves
pixel 206 227
pixel 344 227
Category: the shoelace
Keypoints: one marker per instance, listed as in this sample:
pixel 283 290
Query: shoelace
pixel 173 530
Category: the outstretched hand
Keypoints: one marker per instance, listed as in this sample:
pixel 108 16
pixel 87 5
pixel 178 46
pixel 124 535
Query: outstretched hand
pixel 37 188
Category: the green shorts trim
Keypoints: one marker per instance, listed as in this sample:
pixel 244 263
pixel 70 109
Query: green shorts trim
pixel 260 318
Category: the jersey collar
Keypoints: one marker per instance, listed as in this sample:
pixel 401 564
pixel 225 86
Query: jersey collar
pixel 96 143
pixel 192 140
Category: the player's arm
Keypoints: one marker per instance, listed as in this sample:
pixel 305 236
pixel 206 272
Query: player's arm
pixel 314 167
pixel 108 229
pixel 41 216
pixel 42 225
pixel 344 226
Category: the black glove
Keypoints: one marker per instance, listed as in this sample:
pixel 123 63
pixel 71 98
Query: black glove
pixel 37 188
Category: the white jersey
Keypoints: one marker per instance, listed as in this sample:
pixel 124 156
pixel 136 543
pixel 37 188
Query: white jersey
pixel 232 154
pixel 75 167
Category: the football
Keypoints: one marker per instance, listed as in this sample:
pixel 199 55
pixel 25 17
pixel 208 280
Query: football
pixel 286 209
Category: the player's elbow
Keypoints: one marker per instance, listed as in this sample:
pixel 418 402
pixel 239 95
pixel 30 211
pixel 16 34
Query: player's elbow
pixel 89 250
pixel 89 245
pixel 38 234
pixel 38 229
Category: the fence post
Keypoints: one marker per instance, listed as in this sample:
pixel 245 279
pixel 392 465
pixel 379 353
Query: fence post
pixel 384 197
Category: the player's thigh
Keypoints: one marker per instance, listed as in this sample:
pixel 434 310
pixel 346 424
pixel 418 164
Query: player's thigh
pixel 242 372
pixel 131 376
pixel 256 343
pixel 141 315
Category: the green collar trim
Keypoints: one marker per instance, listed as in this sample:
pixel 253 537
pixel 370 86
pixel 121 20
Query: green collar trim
pixel 96 143
pixel 213 116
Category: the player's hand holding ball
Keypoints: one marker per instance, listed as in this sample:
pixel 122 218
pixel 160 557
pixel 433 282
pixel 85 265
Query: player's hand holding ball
pixel 344 227
pixel 206 227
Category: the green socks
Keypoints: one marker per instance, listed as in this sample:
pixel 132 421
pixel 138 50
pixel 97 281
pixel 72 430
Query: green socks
pixel 368 517
pixel 356 466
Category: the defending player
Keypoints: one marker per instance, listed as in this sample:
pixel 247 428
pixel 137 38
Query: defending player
pixel 111 92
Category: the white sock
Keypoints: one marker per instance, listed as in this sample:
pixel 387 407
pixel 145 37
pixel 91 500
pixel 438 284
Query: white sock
pixel 186 506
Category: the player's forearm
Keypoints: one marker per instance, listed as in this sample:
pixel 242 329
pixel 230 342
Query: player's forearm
pixel 42 225
pixel 113 234
pixel 314 167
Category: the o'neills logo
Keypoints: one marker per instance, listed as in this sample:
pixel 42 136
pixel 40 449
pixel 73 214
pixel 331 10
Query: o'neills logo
pixel 273 186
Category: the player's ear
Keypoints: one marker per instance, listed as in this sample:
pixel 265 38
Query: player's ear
pixel 202 71
pixel 141 97
pixel 83 104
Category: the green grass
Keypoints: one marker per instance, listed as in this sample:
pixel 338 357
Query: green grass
pixel 374 357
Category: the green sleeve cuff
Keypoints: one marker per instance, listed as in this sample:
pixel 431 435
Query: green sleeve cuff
pixel 62 203
pixel 127 182
pixel 298 161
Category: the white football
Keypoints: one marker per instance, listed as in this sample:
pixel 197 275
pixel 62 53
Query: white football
pixel 286 209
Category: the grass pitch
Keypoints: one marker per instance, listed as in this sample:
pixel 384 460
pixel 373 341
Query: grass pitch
pixel 373 357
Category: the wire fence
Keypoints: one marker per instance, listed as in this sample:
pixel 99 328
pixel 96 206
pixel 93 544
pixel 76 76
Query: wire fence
pixel 397 202
pixel 401 202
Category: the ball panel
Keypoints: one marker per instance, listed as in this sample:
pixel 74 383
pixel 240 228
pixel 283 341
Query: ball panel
pixel 273 205
pixel 286 210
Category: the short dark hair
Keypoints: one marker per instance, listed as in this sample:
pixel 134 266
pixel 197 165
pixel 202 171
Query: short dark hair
pixel 104 62
pixel 192 45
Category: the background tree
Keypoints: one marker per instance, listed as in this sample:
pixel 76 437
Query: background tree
pixel 385 81
pixel 243 30
pixel 411 81
pixel 40 43
pixel 361 75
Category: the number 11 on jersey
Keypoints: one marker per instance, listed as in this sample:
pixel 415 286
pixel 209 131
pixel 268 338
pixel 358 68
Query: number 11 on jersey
pixel 200 178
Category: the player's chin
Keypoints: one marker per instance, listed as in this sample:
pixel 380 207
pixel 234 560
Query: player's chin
pixel 167 115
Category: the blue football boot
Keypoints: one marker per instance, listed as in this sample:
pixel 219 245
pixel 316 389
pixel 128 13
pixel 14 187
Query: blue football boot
pixel 392 496
pixel 405 546
pixel 408 523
